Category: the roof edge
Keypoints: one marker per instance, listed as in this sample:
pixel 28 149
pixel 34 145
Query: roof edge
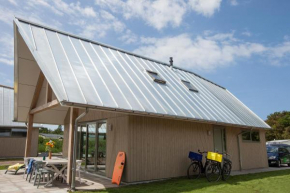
pixel 4 86
pixel 130 112
pixel 114 48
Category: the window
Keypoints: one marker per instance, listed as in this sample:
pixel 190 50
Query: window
pixel 189 86
pixel 5 132
pixel 255 136
pixel 251 136
pixel 155 76
pixel 18 132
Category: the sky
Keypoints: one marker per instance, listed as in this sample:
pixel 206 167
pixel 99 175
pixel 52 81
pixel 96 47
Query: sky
pixel 242 45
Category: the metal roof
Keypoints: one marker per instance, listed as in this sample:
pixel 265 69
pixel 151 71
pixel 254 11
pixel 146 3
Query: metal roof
pixel 85 73
pixel 6 107
pixel 51 136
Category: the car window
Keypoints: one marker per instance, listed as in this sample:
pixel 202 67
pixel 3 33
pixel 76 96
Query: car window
pixel 283 150
pixel 271 149
pixel 288 148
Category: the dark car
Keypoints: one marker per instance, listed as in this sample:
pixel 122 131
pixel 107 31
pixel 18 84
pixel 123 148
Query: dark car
pixel 278 154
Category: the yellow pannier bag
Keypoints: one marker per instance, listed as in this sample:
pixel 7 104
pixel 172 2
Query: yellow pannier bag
pixel 214 156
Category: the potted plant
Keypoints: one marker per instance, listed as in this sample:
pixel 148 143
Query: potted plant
pixel 49 146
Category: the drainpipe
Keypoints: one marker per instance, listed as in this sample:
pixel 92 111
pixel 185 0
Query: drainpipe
pixel 73 187
pixel 239 147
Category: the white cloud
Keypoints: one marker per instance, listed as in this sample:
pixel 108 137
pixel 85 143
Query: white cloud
pixel 6 49
pixel 247 33
pixel 6 61
pixel 60 7
pixel 6 15
pixel 234 2
pixel 44 3
pixel 160 13
pixel 129 37
pixel 203 53
pixel 205 7
pixel 280 54
pixel 13 2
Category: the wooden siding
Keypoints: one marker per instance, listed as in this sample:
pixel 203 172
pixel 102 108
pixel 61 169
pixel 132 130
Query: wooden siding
pixel 157 148
pixel 15 146
pixel 117 138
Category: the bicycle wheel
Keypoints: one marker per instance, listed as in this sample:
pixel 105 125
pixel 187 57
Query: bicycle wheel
pixel 213 172
pixel 226 171
pixel 194 170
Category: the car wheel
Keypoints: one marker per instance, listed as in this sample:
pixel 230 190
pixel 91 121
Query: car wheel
pixel 278 163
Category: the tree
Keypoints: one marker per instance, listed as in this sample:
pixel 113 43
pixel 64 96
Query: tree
pixel 44 130
pixel 58 130
pixel 280 123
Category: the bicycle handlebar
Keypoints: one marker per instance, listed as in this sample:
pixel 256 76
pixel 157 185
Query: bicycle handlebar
pixel 201 152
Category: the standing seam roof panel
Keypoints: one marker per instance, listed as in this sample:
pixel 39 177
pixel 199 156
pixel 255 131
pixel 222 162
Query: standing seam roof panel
pixel 89 73
pixel 218 106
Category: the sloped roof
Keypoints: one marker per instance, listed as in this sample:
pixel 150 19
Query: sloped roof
pixel 85 73
pixel 51 136
pixel 6 108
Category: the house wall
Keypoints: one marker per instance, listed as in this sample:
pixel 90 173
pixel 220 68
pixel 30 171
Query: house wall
pixel 15 146
pixel 158 148
pixel 253 154
pixel 117 137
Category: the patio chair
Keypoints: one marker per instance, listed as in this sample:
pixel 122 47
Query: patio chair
pixel 78 170
pixel 29 170
pixel 26 163
pixel 15 168
pixel 40 173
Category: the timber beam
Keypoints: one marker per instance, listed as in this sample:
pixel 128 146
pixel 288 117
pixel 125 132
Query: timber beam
pixel 44 107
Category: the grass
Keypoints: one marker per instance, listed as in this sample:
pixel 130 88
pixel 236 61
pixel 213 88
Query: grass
pixel 277 181
pixel 3 167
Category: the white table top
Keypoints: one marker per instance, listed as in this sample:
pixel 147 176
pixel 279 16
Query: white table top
pixel 53 160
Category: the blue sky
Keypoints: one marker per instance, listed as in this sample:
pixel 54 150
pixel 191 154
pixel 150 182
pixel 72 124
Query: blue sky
pixel 243 45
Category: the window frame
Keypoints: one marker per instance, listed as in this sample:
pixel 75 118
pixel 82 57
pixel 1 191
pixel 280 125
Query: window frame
pixel 191 88
pixel 159 79
pixel 250 135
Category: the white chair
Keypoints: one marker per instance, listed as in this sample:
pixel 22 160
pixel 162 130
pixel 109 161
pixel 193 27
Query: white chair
pixel 26 162
pixel 78 169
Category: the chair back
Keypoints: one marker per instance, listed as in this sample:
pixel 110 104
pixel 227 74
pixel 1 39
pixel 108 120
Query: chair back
pixel 26 161
pixel 39 165
pixel 30 166
pixel 78 164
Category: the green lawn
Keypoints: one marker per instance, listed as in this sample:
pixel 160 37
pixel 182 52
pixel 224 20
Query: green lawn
pixel 278 181
pixel 3 167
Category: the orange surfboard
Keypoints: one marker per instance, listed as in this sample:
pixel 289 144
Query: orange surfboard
pixel 118 169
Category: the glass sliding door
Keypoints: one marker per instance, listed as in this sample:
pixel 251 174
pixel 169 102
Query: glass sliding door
pixel 91 142
pixel 101 144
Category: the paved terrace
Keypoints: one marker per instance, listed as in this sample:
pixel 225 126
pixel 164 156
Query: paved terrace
pixel 16 183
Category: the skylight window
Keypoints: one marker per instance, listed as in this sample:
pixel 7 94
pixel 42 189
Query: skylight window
pixel 189 86
pixel 155 76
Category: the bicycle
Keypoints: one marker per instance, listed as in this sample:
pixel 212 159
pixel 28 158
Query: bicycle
pixel 196 168
pixel 217 169
pixel 227 167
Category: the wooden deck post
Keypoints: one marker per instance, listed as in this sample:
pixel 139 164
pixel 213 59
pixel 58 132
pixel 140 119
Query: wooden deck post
pixel 29 136
pixel 73 115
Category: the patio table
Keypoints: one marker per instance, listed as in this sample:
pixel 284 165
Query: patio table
pixel 53 162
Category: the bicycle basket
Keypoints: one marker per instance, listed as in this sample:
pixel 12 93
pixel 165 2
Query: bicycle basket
pixel 214 156
pixel 195 156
